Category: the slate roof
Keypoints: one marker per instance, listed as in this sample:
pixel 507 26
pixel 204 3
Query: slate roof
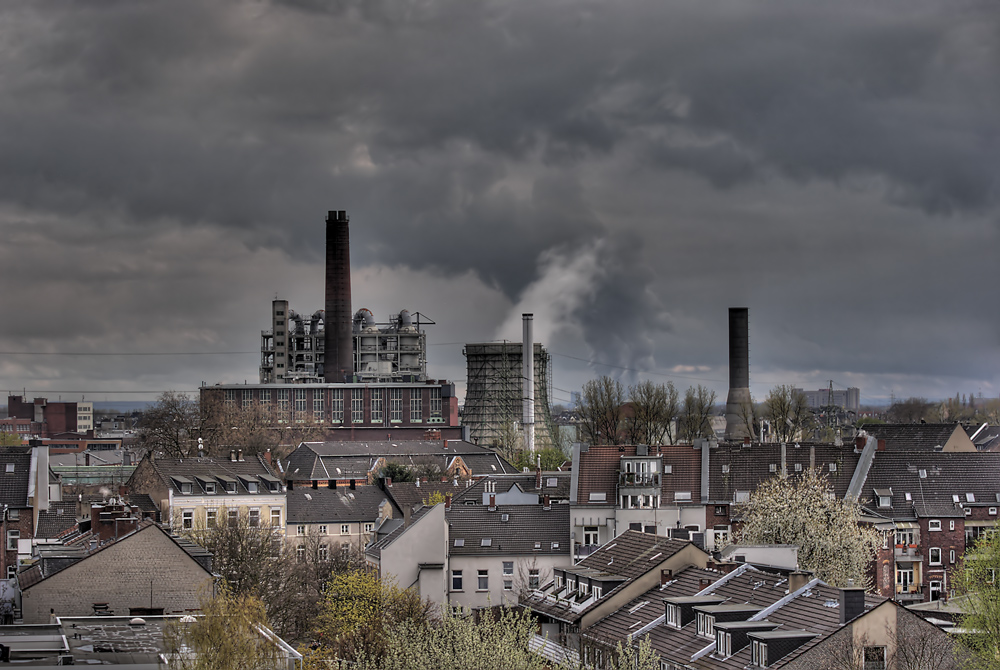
pixel 598 468
pixel 323 505
pixel 528 530
pixel 736 467
pixel 213 468
pixel 14 485
pixel 410 494
pixel 816 610
pixel 315 457
pixel 59 518
pixel 947 475
pixel 554 484
pixel 912 436
pixel 633 554
pixel 988 439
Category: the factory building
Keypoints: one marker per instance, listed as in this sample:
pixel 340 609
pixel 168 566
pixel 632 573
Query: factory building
pixel 495 393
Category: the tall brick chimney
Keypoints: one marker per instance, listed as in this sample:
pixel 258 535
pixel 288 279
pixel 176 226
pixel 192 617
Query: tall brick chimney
pixel 338 357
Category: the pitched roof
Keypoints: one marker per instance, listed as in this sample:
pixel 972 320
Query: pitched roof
pixel 933 480
pixel 323 505
pixel 374 549
pixel 56 520
pixel 14 483
pixel 319 460
pixel 200 470
pixel 912 436
pixel 596 472
pixel 510 529
pixel 737 467
pixel 405 494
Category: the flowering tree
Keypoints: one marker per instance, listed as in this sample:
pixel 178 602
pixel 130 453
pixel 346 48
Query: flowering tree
pixel 802 511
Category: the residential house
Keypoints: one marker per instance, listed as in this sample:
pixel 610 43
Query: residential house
pixel 327 520
pixel 145 571
pixel 28 488
pixel 192 493
pixel 580 595
pixel 413 552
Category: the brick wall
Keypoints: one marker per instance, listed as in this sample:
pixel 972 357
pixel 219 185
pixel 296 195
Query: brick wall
pixel 25 525
pixel 948 540
pixel 146 569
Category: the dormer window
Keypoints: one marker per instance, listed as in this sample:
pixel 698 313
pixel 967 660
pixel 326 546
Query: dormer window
pixel 759 654
pixel 884 498
pixel 186 487
pixel 252 487
pixel 673 617
pixel 209 487
pixel 706 625
pixel 723 644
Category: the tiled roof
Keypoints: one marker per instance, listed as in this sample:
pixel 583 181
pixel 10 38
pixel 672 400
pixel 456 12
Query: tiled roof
pixel 510 529
pixel 212 469
pixel 912 436
pixel 318 460
pixel 325 505
pixel 57 519
pixel 409 493
pixel 736 467
pixel 14 485
pixel 987 439
pixel 945 476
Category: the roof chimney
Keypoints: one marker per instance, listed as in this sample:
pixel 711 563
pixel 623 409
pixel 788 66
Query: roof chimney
pixel 798 579
pixel 338 336
pixel 447 501
pixel 239 455
pixel 666 576
pixel 267 457
pixel 852 603
pixel 232 455
pixel 407 512
pixel 493 502
pixel 546 503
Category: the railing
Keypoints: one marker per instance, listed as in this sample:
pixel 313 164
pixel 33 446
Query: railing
pixel 638 479
pixel 907 553
pixel 584 550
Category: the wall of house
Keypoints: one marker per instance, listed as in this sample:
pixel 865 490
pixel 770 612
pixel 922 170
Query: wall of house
pixel 23 524
pixel 425 541
pixel 947 540
pixel 472 596
pixel 144 479
pixel 143 570
pixel 331 534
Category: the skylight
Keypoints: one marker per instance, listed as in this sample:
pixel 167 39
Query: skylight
pixel 486 542
pixel 970 497
pixel 459 541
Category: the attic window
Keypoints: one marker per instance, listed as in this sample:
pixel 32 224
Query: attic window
pixel 668 469
pixel 555 545
pixel 725 469
pixel 538 545
pixel 552 482
pixel 486 542
pixel 798 467
pixel 459 541
pixel 10 467
pixel 833 467
pixel 598 497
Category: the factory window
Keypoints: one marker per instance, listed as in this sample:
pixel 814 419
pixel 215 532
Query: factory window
pixel 247 398
pixel 282 399
pixel 230 396
pixel 265 395
pixel 416 406
pixel 357 405
pixel 337 405
pixel 376 405
pixel 318 413
pixel 300 402
pixel 435 402
pixel 281 365
pixel 395 404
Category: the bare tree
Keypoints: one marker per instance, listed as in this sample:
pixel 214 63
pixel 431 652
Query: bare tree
pixel 170 425
pixel 653 410
pixel 696 416
pixel 601 411
pixel 788 411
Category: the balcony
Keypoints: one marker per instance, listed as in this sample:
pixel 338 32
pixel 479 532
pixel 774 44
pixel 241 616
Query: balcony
pixel 904 553
pixel 911 593
pixel 641 479
pixel 584 550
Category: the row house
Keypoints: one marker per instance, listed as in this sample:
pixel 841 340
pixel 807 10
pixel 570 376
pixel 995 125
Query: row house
pixel 327 521
pixel 197 493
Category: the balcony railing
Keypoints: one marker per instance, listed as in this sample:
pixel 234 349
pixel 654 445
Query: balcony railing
pixel 907 553
pixel 638 479
pixel 584 550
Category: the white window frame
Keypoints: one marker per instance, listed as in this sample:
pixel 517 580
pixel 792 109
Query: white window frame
pixel 483 580
pixel 930 556
pixel 456 581
pixel 345 529
pixel 187 519
pixel 934 525
pixel 322 529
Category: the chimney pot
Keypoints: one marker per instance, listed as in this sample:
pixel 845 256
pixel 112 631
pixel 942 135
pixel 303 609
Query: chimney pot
pixel 239 455
pixel 232 455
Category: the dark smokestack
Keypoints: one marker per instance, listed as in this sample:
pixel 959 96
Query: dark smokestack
pixel 739 373
pixel 338 341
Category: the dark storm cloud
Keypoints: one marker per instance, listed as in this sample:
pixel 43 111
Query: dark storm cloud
pixel 811 161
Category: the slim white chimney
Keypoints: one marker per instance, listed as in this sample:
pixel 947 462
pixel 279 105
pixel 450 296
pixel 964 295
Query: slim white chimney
pixel 528 361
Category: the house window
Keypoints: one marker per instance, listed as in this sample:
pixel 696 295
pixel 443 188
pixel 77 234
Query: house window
pixel 590 534
pixel 300 553
pixel 254 517
pixel 508 575
pixel 211 515
pixel 301 529
pixel 934 524
pixel 993 511
pixel 323 553
pixel 187 519
pixel 13 514
pixel 759 654
pixel 209 487
pixel 951 524
pixel 597 592
pixel 322 529
pixel 874 658
pixel 11 571
pixel 951 556
pixel 345 529
pixel 673 615
pixel 706 625
pixel 234 516
pixel 723 644
pixel 395 404
pixel 456 580
pixel 416 406
pixel 357 405
pixel 369 527
pixel 935 555
pixel 12 538
pixel 275 516
pixel 533 578
pixel 484 580
pixel 720 510
pixel 376 405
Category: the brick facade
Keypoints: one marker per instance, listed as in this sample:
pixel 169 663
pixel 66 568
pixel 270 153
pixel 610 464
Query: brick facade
pixel 144 570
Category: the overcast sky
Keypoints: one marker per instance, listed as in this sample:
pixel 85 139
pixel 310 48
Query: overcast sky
pixel 627 171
